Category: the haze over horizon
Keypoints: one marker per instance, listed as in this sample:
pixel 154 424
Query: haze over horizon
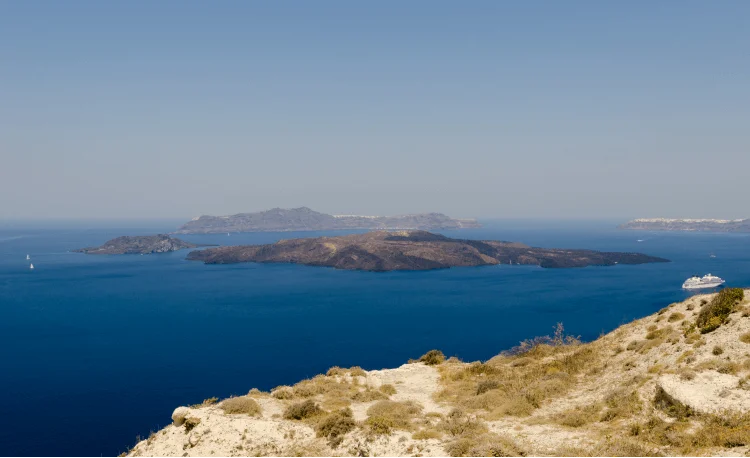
pixel 533 109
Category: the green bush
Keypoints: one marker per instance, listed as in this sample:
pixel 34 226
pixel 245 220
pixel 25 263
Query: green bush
pixel 716 312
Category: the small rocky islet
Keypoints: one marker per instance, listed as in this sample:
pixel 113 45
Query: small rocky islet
pixel 141 244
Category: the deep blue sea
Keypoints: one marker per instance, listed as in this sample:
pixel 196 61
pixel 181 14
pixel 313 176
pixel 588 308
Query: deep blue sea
pixel 96 350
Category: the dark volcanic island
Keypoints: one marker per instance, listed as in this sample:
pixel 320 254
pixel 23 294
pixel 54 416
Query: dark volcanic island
pixel 410 250
pixel 142 244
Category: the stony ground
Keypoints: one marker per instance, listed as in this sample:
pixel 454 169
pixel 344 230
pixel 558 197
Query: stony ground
pixel 656 386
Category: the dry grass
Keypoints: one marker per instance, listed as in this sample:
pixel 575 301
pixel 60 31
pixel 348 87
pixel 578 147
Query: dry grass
pixel 517 383
pixel 745 338
pixel 240 405
pixel 612 446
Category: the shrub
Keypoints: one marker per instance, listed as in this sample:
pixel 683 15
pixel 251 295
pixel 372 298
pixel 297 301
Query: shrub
pixel 487 444
pixel 380 425
pixel 388 389
pixel 677 316
pixel 717 350
pixel 579 416
pixel 302 410
pixel 745 338
pixel 335 425
pixel 369 395
pixel 424 434
pixel 432 358
pixel 487 385
pixel 388 415
pixel 334 371
pixel 357 371
pixel 715 313
pixel 283 392
pixel 240 405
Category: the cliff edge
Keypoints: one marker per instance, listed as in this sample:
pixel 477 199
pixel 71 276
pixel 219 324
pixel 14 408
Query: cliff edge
pixel 673 383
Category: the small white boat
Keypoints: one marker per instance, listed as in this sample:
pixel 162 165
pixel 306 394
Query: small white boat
pixel 639 240
pixel 28 257
pixel 712 256
pixel 31 266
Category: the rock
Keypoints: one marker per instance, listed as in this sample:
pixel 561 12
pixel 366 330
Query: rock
pixel 709 392
pixel 179 414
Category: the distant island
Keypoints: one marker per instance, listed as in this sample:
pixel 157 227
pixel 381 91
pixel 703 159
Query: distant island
pixel 410 250
pixel 694 225
pixel 142 244
pixel 305 219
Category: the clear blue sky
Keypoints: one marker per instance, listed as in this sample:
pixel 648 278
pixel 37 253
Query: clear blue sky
pixel 491 109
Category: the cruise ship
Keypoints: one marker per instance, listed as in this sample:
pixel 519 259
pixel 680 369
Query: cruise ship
pixel 707 281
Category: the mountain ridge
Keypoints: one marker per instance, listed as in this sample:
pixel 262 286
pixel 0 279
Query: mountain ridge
pixel 306 219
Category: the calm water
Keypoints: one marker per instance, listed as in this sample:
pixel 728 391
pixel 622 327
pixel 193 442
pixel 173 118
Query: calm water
pixel 97 350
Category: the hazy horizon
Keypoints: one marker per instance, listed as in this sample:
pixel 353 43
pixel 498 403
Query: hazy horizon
pixel 541 109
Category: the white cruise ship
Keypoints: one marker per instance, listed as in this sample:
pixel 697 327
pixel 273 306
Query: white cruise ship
pixel 707 281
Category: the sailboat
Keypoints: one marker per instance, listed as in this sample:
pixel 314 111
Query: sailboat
pixel 31 266
pixel 28 257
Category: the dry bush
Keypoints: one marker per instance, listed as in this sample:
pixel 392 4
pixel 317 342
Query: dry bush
pixel 426 434
pixel 745 338
pixel 613 446
pixel 621 403
pixel 335 371
pixel 335 425
pixel 487 444
pixel 302 410
pixel 369 395
pixel 432 358
pixel 388 389
pixel 717 350
pixel 677 316
pixel 487 385
pixel 686 374
pixel 385 416
pixel 282 392
pixel 356 371
pixel 578 416
pixel 240 405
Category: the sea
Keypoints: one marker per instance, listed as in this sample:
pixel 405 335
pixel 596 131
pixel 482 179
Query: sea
pixel 96 351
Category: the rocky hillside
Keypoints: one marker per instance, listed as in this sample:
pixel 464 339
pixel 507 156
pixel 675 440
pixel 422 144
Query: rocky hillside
pixel 410 250
pixel 673 383
pixel 305 219
pixel 690 225
pixel 142 244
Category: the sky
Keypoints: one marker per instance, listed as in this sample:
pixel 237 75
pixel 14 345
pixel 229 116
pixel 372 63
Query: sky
pixel 489 109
